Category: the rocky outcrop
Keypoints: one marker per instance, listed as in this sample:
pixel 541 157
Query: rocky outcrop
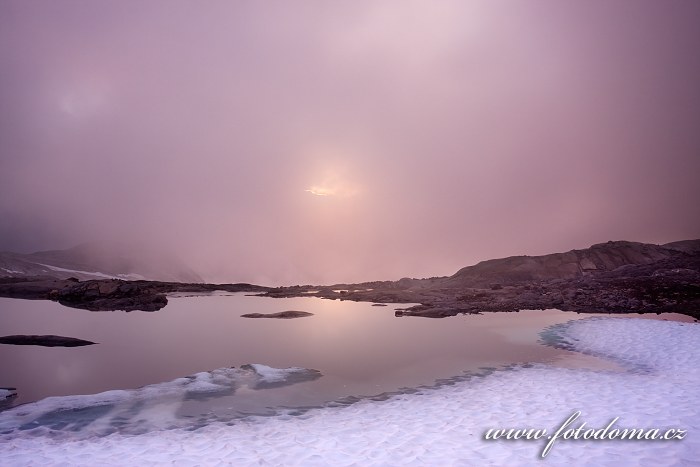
pixel 45 341
pixel 291 314
pixel 110 294
pixel 686 246
pixel 570 265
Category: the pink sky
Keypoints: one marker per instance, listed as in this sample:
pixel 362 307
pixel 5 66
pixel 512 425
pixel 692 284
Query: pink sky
pixel 314 142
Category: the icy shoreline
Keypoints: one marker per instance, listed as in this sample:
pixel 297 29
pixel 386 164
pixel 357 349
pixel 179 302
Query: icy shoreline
pixel 446 425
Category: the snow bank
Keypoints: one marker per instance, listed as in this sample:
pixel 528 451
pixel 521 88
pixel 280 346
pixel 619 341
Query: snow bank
pixel 11 271
pixel 101 275
pixel 446 426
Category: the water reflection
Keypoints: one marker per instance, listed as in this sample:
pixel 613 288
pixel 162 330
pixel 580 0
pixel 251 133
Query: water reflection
pixel 360 349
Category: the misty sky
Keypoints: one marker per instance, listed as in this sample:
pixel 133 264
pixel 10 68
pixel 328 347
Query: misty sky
pixel 313 142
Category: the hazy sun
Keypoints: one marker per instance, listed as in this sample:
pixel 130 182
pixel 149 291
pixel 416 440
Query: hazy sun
pixel 321 191
pixel 332 178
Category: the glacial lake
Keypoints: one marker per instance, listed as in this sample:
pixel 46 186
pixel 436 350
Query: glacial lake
pixel 361 350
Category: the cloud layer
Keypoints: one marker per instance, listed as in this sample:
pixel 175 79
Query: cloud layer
pixel 437 134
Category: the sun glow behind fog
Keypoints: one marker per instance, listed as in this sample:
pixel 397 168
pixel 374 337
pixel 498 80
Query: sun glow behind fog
pixel 340 189
pixel 355 116
pixel 321 191
pixel 334 178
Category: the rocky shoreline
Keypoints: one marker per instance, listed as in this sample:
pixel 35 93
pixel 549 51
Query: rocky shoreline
pixel 614 277
pixel 109 294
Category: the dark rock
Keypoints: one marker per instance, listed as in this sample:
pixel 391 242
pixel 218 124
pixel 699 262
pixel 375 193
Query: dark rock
pixel 45 341
pixel 291 314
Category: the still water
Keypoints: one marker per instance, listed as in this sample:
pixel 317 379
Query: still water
pixel 359 349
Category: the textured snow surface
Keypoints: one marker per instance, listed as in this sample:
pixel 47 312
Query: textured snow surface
pixel 660 388
pixel 11 271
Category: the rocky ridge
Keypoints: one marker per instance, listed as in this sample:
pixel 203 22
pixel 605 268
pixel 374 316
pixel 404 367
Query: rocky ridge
pixel 613 277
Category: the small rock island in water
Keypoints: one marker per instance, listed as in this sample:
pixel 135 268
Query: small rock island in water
pixel 46 341
pixel 291 314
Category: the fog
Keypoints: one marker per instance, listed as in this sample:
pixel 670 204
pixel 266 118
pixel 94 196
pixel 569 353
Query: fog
pixel 317 142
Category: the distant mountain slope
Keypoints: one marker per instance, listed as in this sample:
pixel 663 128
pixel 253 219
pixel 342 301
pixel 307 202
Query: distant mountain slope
pixel 97 261
pixel 612 277
pixel 572 264
pixel 686 246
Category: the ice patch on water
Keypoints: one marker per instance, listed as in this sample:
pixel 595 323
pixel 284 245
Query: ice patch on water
pixel 7 393
pixel 446 425
pixel 133 410
pixel 274 375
